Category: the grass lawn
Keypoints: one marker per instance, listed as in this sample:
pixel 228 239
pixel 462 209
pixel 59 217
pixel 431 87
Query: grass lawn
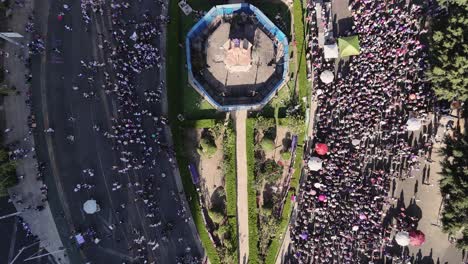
pixel 287 210
pixel 299 34
pixel 231 187
pixel 184 99
pixel 271 10
pixel 193 105
pixel 252 194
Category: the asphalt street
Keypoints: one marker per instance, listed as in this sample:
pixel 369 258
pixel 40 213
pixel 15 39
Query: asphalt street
pixel 55 103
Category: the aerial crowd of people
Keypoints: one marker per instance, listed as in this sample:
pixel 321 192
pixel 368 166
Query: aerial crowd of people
pixel 137 132
pixel 362 118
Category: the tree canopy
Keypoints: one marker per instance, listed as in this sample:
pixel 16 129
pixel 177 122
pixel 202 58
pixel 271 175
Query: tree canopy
pixel 7 172
pixel 454 186
pixel 447 74
pixel 448 51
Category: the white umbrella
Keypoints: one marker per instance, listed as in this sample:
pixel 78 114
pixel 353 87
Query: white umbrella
pixel 355 142
pixel 91 207
pixel 413 124
pixel 314 164
pixel 327 76
pixel 402 238
pixel 134 36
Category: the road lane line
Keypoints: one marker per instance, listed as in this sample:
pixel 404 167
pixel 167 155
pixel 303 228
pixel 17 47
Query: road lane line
pixel 48 138
pixel 13 241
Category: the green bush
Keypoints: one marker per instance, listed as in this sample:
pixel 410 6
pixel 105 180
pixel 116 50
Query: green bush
pixel 254 256
pixel 267 144
pixel 286 155
pixel 295 123
pixel 299 35
pixel 208 146
pixel 263 123
pixel 287 209
pixel 270 171
pixel 230 175
pixel 215 216
pixel 7 172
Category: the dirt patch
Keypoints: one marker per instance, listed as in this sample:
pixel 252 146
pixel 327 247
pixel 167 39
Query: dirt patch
pixel 210 169
pixel 282 141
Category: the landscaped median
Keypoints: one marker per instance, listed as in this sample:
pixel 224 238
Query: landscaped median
pixel 230 177
pixel 287 209
pixel 266 226
pixel 198 115
pixel 252 194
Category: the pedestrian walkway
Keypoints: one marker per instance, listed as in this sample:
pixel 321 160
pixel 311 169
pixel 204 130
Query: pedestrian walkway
pixel 16 112
pixel 421 197
pixel 242 200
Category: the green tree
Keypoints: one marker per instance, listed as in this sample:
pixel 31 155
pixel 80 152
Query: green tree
pixel 269 171
pixel 215 216
pixel 263 124
pixel 454 186
pixel 4 90
pixel 7 172
pixel 295 123
pixel 448 52
pixel 207 144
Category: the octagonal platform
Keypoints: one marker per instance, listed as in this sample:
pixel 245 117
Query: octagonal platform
pixel 236 57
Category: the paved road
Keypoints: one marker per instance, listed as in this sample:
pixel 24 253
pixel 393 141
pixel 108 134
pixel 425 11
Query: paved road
pixel 54 100
pixel 242 199
pixel 15 114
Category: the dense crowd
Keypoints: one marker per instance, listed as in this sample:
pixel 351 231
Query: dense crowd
pixel 137 131
pixel 362 118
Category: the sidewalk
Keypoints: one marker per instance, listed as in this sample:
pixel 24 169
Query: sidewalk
pixel 242 201
pixel 168 139
pixel 426 200
pixel 16 111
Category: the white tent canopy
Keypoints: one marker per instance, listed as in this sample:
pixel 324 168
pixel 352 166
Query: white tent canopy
pixel 327 76
pixel 413 124
pixel 330 51
pixel 314 164
pixel 91 207
pixel 402 238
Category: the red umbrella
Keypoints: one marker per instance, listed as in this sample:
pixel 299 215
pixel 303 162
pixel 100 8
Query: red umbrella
pixel 59 17
pixel 417 238
pixel 321 148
